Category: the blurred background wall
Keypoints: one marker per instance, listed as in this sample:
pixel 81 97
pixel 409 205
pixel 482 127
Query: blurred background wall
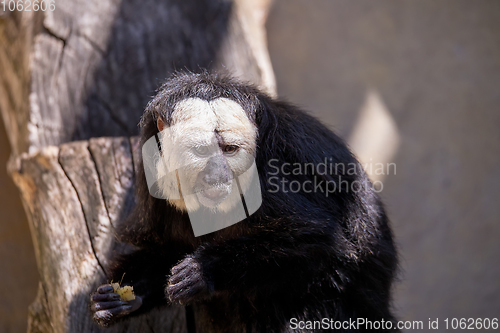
pixel 416 83
pixel 18 272
pixel 427 74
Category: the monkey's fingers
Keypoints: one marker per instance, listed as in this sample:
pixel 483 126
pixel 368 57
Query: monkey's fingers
pixel 105 317
pixel 105 289
pixel 185 291
pixel 96 297
pixel 98 306
pixel 185 264
pixel 106 312
pixel 186 273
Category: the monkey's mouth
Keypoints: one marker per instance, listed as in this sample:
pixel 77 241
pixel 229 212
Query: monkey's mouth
pixel 212 196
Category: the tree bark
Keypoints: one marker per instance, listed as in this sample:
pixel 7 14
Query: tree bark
pixel 84 71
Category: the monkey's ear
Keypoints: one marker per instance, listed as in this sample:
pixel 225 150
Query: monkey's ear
pixel 160 124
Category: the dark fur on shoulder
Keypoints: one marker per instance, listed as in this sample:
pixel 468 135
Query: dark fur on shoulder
pixel 301 255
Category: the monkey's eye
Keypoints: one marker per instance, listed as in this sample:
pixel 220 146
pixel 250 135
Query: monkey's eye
pixel 230 149
pixel 202 151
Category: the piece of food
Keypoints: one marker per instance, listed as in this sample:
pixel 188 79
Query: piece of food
pixel 126 292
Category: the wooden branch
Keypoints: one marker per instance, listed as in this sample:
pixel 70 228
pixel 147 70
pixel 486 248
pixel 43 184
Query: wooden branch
pixel 17 30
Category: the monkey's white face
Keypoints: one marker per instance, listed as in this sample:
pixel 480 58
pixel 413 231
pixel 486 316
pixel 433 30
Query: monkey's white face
pixel 209 143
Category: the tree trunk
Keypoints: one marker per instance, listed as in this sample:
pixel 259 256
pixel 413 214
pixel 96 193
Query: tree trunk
pixel 84 71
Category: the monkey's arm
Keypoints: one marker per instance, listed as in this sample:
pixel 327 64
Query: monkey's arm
pixel 288 253
pixel 269 258
pixel 142 269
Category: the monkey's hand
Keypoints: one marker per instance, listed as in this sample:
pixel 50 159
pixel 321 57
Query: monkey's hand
pixel 186 282
pixel 107 306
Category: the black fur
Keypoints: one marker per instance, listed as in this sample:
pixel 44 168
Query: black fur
pixel 301 255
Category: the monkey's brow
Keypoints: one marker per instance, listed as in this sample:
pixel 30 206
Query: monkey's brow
pixel 219 138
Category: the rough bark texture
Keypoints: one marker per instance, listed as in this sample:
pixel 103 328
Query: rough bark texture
pixel 84 71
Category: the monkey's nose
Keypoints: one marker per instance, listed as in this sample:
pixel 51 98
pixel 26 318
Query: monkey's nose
pixel 217 171
pixel 216 178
